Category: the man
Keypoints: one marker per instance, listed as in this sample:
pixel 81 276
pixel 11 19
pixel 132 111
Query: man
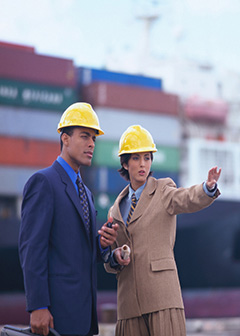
pixel 58 246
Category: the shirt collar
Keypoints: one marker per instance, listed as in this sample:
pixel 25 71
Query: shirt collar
pixel 137 192
pixel 72 174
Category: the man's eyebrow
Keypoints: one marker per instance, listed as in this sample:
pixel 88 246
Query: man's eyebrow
pixel 88 134
pixel 85 132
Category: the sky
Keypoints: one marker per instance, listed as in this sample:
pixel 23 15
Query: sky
pixel 91 32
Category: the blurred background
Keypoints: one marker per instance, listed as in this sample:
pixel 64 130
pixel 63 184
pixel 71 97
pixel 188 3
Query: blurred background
pixel 172 67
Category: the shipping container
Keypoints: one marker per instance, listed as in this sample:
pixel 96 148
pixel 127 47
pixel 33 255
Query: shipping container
pixel 165 159
pixel 34 95
pixel 27 152
pixel 103 179
pixel 29 123
pixel 103 94
pixel 24 65
pixel 164 174
pixel 214 111
pixel 103 202
pixel 17 46
pixel 13 179
pixel 86 76
pixel 165 130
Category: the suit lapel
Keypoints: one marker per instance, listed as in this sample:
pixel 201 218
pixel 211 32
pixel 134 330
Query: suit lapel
pixel 142 202
pixel 144 199
pixel 116 209
pixel 72 194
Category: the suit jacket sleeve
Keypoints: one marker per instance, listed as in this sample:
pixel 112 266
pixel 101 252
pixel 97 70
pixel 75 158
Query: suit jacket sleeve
pixel 185 200
pixel 37 214
pixel 107 266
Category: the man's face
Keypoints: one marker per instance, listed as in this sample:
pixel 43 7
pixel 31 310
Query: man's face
pixel 78 148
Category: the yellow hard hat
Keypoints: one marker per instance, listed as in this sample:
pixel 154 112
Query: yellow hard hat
pixel 80 114
pixel 136 139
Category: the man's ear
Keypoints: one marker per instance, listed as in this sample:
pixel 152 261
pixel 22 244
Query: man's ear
pixel 65 139
pixel 125 166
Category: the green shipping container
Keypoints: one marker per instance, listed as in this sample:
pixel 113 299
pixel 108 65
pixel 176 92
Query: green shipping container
pixel 165 159
pixel 103 203
pixel 36 95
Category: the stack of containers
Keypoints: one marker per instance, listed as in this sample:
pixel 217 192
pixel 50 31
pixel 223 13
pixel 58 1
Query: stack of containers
pixel 122 100
pixel 208 111
pixel 34 91
pixel 209 115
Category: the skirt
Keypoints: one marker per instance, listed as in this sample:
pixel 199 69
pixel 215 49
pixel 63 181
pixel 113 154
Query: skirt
pixel 168 322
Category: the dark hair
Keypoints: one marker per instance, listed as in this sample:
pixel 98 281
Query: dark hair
pixel 124 158
pixel 69 131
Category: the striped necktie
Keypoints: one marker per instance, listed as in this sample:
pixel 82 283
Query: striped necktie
pixel 133 205
pixel 84 203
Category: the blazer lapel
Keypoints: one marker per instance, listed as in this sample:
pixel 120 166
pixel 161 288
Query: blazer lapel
pixel 116 210
pixel 144 199
pixel 71 191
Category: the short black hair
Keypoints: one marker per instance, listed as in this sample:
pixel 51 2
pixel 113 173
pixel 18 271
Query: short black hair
pixel 124 158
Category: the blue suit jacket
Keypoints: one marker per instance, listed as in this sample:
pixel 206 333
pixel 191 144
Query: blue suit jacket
pixel 57 256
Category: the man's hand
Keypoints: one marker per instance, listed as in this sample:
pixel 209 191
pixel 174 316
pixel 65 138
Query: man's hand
pixel 108 235
pixel 213 176
pixel 40 321
pixel 118 257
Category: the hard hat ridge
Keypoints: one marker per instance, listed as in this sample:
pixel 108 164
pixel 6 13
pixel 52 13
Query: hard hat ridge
pixel 136 139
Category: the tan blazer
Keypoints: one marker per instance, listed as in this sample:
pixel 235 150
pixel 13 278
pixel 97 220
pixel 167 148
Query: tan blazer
pixel 150 282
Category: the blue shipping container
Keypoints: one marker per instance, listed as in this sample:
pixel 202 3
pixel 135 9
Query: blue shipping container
pixel 163 174
pixel 86 76
pixel 103 179
pixel 108 180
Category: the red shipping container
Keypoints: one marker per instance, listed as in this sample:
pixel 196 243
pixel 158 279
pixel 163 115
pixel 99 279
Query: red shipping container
pixel 17 46
pixel 130 98
pixel 214 111
pixel 25 65
pixel 28 152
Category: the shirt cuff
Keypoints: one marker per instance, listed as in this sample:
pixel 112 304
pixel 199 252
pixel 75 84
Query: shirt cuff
pixel 113 262
pixel 210 193
pixel 105 253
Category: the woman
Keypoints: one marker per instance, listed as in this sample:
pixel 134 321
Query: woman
pixel 149 294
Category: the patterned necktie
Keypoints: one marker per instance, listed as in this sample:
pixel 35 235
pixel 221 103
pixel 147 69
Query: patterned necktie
pixel 133 205
pixel 84 203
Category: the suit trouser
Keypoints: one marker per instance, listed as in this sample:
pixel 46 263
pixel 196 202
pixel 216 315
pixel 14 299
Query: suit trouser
pixel 168 322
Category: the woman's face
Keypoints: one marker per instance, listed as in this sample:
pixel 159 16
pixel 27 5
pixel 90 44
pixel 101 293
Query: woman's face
pixel 138 167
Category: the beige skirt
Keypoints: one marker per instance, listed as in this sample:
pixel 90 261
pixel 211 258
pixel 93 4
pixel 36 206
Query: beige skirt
pixel 168 322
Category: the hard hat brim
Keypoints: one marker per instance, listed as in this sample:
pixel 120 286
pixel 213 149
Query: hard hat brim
pixel 143 150
pixel 98 130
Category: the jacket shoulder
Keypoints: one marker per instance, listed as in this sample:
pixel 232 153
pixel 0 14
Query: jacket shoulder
pixel 45 174
pixel 162 182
